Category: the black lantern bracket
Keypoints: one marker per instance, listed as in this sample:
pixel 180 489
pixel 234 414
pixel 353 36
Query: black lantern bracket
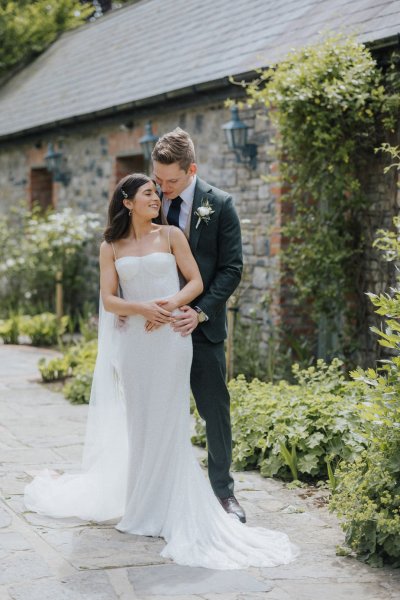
pixel 148 141
pixel 55 163
pixel 236 133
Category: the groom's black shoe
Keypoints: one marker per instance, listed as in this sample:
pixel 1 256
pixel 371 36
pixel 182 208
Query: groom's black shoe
pixel 232 506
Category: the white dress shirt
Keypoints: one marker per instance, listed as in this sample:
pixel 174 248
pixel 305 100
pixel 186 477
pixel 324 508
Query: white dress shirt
pixel 186 206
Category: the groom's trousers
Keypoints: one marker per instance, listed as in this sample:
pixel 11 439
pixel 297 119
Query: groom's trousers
pixel 211 395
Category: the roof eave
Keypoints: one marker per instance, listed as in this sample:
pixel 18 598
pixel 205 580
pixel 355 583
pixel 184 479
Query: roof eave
pixel 200 89
pixel 384 43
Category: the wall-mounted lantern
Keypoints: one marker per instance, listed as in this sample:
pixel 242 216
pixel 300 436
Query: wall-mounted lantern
pixel 55 164
pixel 147 141
pixel 236 136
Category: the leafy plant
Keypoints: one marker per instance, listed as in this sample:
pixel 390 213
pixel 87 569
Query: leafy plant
pixel 83 354
pixel 252 360
pixel 88 325
pixel 82 360
pixel 367 497
pixel 367 494
pixel 9 330
pixel 77 363
pixel 44 329
pixel 35 247
pixel 296 430
pixel 269 362
pixel 55 368
pixel 327 103
pixel 77 391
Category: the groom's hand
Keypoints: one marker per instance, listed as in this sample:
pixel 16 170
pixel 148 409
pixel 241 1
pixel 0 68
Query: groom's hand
pixel 121 321
pixel 186 322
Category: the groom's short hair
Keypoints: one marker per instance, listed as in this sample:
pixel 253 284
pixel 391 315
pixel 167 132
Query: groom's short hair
pixel 175 147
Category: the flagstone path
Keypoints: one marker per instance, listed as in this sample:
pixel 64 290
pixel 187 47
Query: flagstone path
pixel 67 559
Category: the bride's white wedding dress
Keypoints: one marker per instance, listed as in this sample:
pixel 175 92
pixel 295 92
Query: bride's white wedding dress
pixel 138 463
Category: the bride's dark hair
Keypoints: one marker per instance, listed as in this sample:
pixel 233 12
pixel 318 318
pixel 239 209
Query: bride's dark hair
pixel 119 221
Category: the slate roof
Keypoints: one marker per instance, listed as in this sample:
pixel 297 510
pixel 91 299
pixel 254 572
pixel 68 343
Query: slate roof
pixel 152 47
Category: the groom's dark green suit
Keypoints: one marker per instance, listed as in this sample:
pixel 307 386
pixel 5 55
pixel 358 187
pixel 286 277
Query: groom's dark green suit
pixel 217 248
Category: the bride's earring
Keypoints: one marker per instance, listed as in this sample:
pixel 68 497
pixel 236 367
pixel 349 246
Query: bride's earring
pixel 130 212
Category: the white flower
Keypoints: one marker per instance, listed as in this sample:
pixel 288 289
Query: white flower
pixel 204 212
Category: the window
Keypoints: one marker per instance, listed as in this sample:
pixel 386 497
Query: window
pixel 41 188
pixel 125 165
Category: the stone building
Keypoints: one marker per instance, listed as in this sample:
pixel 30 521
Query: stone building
pixel 92 92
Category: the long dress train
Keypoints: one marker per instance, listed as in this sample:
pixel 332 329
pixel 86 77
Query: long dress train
pixel 138 463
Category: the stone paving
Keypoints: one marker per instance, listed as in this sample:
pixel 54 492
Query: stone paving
pixel 67 559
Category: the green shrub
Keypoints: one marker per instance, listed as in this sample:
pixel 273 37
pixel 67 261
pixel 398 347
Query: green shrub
pixel 253 360
pixel 367 495
pixel 83 354
pixel 9 330
pixel 35 248
pixel 88 324
pixel 78 362
pixel 44 329
pixel 77 391
pixel 249 358
pixel 82 360
pixel 298 431
pixel 55 368
pixel 327 101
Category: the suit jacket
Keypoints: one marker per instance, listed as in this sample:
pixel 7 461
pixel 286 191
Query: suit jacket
pixel 217 249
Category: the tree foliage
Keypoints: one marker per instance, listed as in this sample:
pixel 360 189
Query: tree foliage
pixel 28 27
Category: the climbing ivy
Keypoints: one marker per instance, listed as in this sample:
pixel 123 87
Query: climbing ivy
pixel 327 103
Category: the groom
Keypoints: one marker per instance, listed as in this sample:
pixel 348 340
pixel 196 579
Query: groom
pixel 209 220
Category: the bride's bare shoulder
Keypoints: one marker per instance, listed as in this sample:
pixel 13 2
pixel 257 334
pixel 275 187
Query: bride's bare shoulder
pixel 107 250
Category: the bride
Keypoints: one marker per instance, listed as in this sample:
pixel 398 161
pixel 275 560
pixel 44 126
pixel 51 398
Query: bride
pixel 138 464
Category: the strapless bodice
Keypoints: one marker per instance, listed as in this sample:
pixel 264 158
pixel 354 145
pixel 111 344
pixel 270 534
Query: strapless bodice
pixel 147 277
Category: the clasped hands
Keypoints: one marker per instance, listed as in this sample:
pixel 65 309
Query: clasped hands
pixel 159 313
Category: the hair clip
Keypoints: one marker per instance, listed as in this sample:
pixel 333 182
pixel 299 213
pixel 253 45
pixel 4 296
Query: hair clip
pixel 123 192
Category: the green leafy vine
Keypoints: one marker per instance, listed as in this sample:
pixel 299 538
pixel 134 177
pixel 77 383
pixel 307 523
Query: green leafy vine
pixel 328 103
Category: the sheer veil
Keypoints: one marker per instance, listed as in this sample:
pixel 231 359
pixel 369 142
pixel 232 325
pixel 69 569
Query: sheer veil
pixel 98 491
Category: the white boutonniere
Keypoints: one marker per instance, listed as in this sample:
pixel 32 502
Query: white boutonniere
pixel 204 212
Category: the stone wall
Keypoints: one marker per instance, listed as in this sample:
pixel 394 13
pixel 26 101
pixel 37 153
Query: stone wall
pixel 92 151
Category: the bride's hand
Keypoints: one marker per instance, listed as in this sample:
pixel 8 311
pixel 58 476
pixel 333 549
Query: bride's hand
pixel 155 313
pixel 151 326
pixel 167 304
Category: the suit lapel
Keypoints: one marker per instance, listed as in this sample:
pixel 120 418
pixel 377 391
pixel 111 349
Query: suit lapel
pixel 201 193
